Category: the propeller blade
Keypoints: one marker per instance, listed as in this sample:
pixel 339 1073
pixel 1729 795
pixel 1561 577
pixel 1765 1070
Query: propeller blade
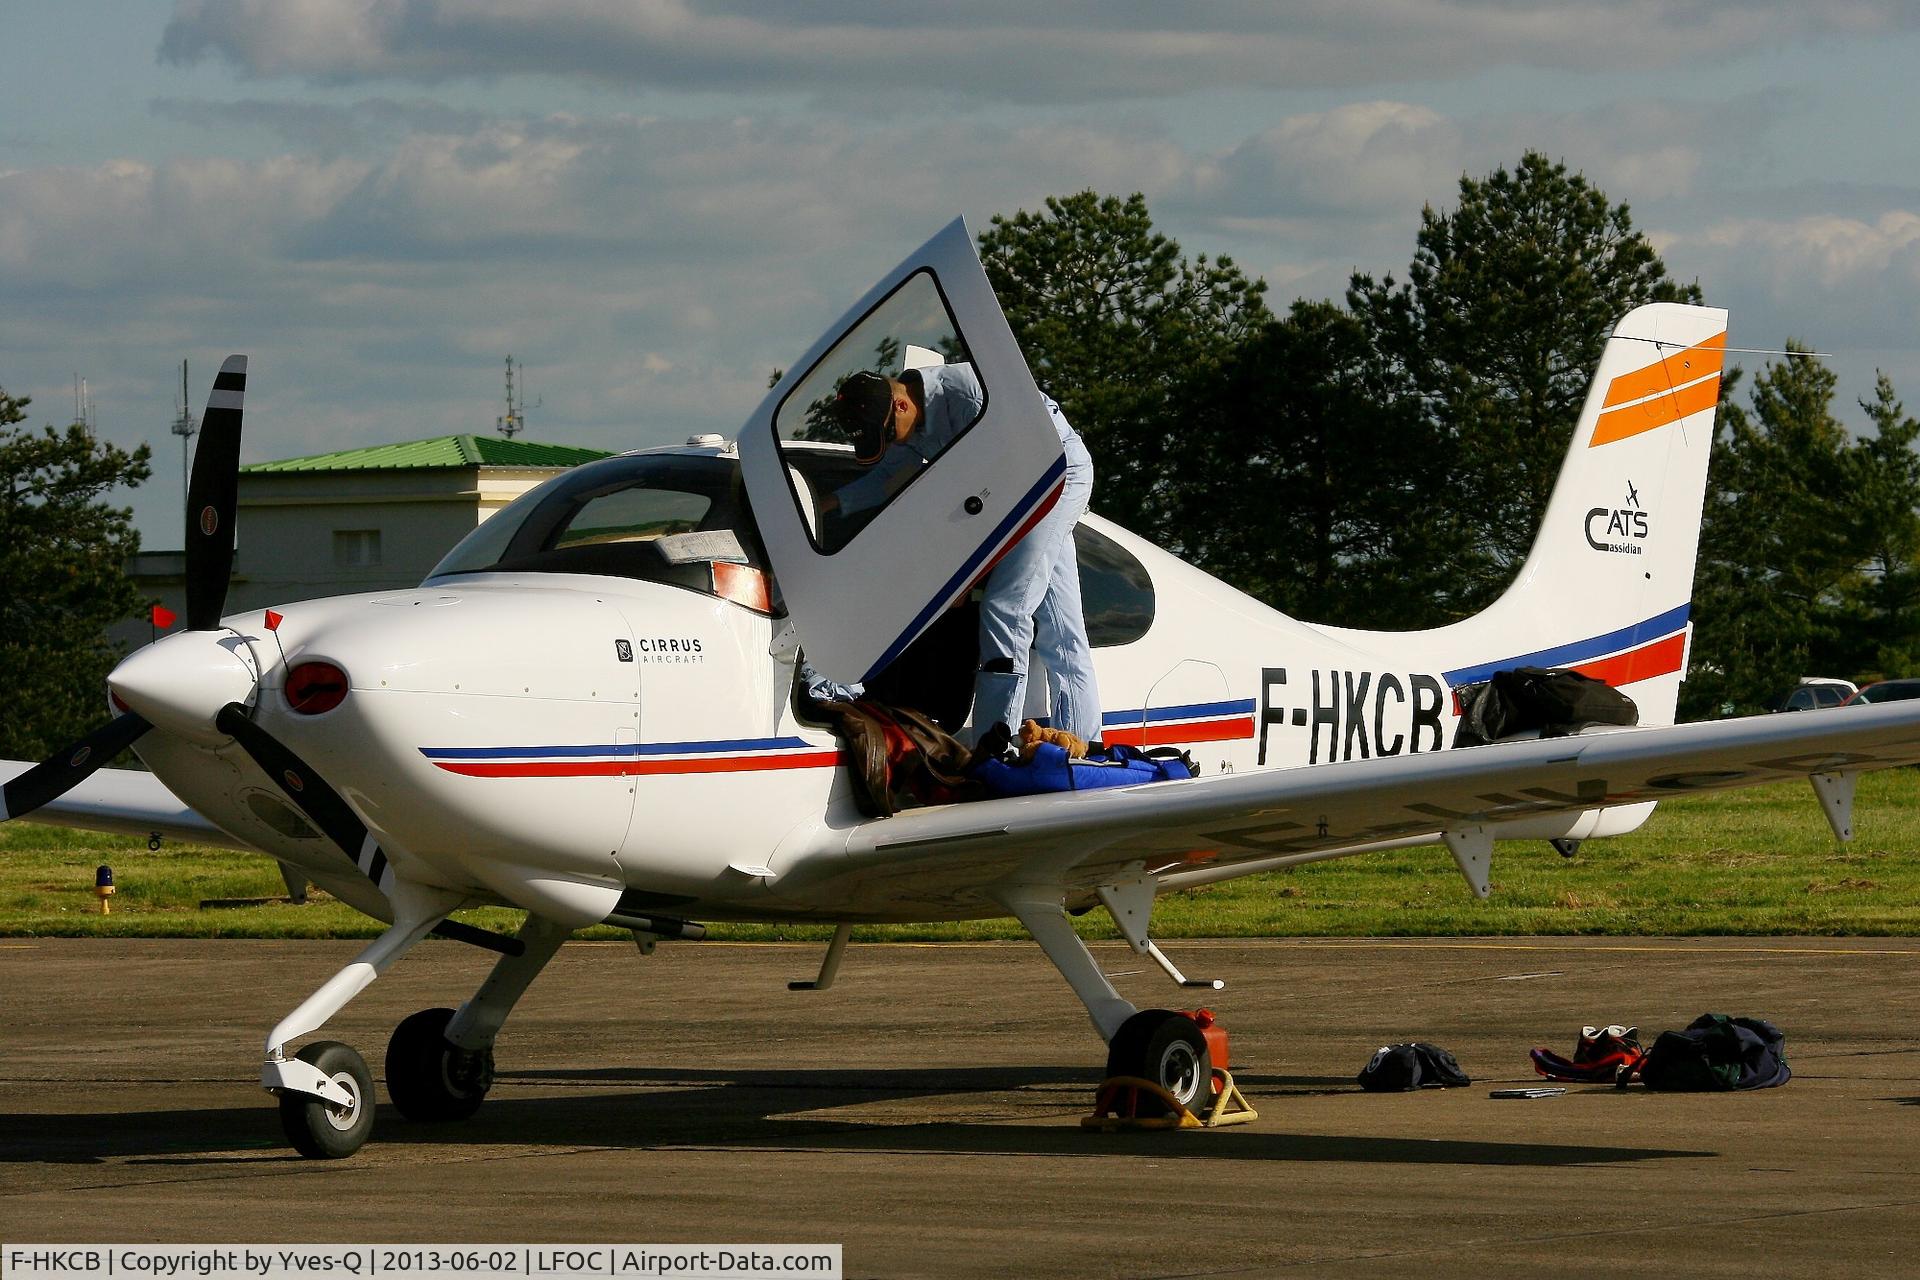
pixel 335 818
pixel 306 788
pixel 64 770
pixel 212 495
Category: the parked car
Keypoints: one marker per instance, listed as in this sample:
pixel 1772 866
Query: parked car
pixel 1814 692
pixel 1886 691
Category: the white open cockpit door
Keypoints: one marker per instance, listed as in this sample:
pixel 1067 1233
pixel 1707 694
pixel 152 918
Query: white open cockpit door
pixel 867 557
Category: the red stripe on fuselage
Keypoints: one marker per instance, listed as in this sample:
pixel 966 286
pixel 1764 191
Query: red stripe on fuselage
pixel 1662 657
pixel 632 768
pixel 1156 735
pixel 1039 514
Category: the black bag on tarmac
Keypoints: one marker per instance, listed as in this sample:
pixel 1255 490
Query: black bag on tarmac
pixel 1717 1053
pixel 1397 1068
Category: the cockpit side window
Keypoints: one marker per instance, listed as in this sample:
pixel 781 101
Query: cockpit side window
pixel 633 515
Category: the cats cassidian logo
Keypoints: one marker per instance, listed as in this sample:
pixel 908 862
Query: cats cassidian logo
pixel 1621 529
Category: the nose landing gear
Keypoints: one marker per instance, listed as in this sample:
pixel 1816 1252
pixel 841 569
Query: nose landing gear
pixel 439 1062
pixel 335 1124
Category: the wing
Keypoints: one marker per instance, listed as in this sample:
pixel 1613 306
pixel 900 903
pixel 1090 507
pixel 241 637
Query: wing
pixel 129 802
pixel 1217 827
pixel 135 803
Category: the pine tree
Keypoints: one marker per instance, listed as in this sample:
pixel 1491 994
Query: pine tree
pixel 62 577
pixel 1493 339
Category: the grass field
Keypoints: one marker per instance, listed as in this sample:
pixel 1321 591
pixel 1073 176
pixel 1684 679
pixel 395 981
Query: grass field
pixel 1745 862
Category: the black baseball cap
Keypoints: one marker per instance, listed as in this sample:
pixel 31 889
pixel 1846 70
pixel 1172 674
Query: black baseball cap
pixel 864 406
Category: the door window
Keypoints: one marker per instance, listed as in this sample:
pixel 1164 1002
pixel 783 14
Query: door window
pixel 907 348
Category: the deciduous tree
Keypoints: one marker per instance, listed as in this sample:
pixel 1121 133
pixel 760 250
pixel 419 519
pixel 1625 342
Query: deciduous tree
pixel 1115 324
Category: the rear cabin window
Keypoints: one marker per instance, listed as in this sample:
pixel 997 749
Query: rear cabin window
pixel 1116 592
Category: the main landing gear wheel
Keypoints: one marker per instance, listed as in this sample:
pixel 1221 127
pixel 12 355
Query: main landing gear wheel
pixel 431 1079
pixel 322 1130
pixel 1168 1049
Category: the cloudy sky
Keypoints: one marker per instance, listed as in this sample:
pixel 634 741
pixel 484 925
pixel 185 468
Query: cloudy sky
pixel 652 203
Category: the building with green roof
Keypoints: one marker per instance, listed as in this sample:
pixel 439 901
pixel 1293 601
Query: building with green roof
pixel 440 452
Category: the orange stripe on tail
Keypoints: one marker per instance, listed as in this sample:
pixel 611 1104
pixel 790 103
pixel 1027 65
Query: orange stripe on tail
pixel 1690 379
pixel 1676 370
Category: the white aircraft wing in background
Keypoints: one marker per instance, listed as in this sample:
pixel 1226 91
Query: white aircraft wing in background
pixel 129 802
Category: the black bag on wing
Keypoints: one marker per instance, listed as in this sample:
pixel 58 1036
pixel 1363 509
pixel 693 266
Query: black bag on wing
pixel 1553 700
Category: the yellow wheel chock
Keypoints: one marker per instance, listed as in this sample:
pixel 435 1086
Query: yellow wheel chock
pixel 1116 1107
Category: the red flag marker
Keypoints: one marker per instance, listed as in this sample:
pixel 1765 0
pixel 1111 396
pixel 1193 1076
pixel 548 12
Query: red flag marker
pixel 164 617
pixel 274 620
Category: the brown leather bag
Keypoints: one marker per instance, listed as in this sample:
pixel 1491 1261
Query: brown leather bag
pixel 899 758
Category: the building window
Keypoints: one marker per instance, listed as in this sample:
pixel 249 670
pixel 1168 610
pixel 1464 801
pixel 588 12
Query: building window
pixel 356 548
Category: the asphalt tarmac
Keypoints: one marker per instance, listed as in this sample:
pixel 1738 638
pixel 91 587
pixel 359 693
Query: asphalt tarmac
pixel 924 1112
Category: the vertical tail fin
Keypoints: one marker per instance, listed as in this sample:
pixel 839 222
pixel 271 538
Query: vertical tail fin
pixel 1608 585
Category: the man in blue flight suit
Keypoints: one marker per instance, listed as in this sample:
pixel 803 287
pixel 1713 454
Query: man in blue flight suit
pixel 1032 597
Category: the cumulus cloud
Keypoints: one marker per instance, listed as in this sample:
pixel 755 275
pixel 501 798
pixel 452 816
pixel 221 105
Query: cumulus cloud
pixel 1830 251
pixel 651 271
pixel 1074 50
pixel 1360 157
pixel 1840 279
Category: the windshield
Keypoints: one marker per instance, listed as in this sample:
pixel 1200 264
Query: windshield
pixel 1891 691
pixel 674 518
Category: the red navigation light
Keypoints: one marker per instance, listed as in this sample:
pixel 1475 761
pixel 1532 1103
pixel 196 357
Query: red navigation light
pixel 314 687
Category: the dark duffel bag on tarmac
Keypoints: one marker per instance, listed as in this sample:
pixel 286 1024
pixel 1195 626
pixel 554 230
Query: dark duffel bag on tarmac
pixel 1717 1053
pixel 1396 1068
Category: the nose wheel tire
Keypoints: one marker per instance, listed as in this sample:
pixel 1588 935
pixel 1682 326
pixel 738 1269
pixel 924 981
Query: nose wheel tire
pixel 323 1130
pixel 431 1079
pixel 1168 1049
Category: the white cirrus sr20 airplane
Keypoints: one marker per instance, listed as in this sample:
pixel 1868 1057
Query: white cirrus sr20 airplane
pixel 591 709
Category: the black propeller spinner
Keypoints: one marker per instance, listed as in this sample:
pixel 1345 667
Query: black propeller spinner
pixel 212 495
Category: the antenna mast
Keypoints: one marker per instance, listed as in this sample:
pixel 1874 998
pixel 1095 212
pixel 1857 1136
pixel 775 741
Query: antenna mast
pixel 184 426
pixel 82 404
pixel 515 419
